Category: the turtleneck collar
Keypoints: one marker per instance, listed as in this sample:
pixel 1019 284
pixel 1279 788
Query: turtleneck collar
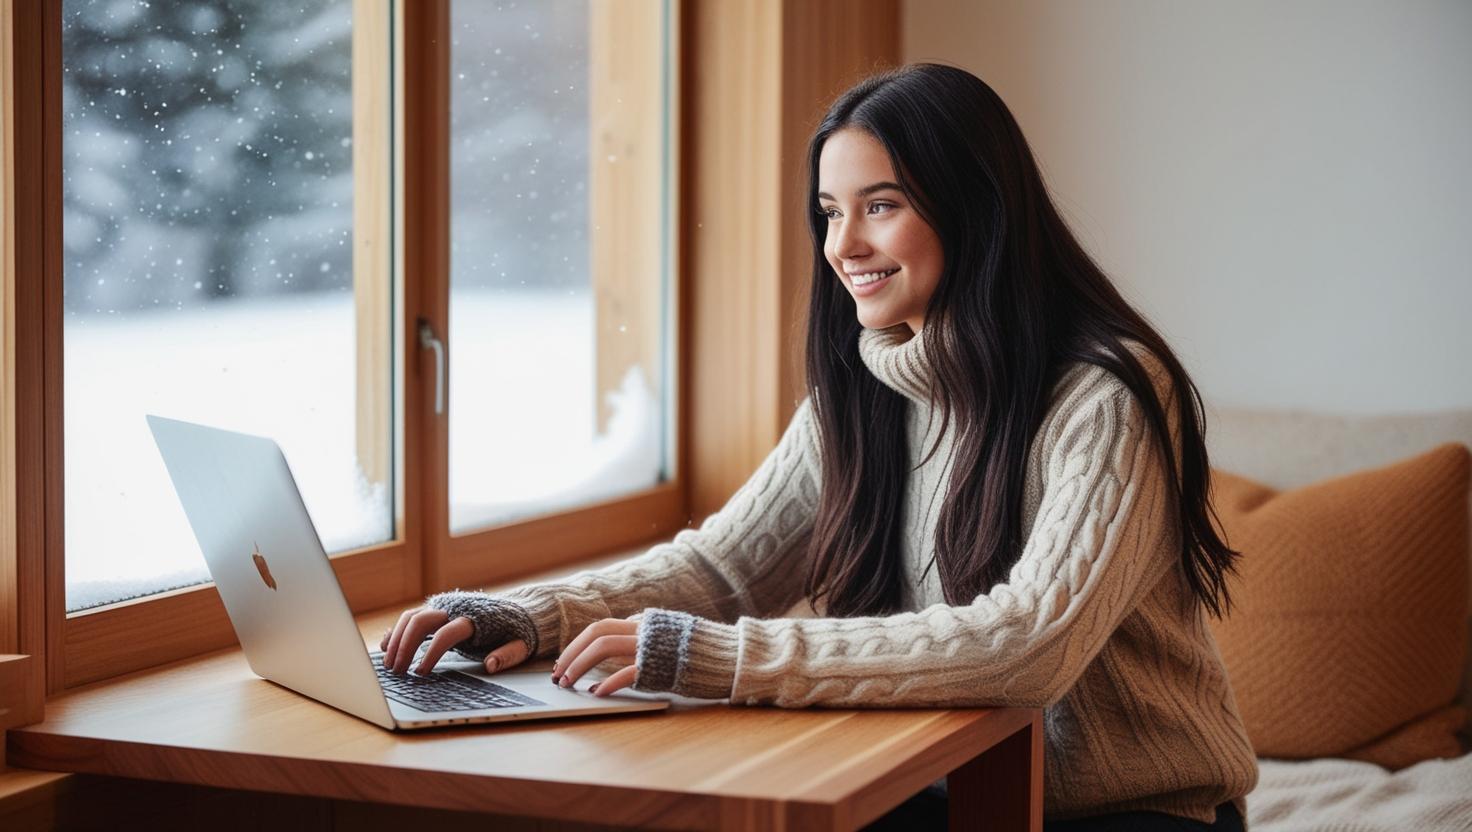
pixel 897 358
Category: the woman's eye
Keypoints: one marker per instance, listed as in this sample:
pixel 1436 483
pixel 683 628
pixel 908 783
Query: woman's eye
pixel 874 208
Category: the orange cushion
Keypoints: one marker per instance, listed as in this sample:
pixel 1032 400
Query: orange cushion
pixel 1348 633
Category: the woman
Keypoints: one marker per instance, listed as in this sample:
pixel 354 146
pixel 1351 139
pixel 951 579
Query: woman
pixel 995 493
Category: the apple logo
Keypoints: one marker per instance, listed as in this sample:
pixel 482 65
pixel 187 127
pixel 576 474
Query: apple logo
pixel 262 567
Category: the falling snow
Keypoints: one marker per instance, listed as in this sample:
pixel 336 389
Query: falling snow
pixel 208 240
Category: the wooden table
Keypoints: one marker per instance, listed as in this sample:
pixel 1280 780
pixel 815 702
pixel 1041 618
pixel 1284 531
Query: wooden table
pixel 210 721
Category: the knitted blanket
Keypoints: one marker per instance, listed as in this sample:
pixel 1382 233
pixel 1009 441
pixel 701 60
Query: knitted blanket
pixel 1331 795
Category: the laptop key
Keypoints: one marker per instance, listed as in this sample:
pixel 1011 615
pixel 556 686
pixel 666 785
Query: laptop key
pixel 447 690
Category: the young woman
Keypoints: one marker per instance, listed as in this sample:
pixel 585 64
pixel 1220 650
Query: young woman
pixel 995 493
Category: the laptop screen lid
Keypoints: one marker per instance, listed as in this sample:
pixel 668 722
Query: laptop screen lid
pixel 274 577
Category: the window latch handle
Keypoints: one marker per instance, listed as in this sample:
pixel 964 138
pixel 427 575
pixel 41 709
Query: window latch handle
pixel 428 340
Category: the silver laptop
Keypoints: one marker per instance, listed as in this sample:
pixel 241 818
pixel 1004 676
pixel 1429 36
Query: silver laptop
pixel 289 612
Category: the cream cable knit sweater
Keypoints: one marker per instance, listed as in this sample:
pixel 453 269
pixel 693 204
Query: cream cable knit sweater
pixel 1095 623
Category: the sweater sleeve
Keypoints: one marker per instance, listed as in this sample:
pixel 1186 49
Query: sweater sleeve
pixel 743 560
pixel 1101 539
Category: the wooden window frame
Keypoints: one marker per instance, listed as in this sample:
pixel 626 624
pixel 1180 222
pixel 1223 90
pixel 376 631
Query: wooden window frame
pixel 91 645
pixel 22 407
pixel 503 552
pixel 736 307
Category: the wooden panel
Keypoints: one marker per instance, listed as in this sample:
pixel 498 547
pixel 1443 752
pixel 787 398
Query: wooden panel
pixel 761 75
pixel 31 799
pixel 372 238
pixel 64 801
pixel 425 224
pixel 32 344
pixel 21 702
pixel 9 585
pixel 51 341
pixel 827 46
pixel 1004 786
pixel 121 638
pixel 626 162
pixel 732 230
pixel 408 459
pixel 529 546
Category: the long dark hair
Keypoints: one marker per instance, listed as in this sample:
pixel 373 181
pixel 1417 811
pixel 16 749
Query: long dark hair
pixel 1018 301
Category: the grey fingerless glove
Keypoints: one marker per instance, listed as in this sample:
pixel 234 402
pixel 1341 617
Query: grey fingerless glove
pixel 686 655
pixel 664 639
pixel 495 621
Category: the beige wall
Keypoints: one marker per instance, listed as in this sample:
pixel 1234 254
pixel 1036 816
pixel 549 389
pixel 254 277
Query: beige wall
pixel 1284 188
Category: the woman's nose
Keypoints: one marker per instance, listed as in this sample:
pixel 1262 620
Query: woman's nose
pixel 850 241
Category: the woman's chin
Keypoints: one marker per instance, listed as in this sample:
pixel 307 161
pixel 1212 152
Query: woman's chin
pixel 871 320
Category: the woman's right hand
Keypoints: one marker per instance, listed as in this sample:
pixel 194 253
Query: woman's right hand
pixel 401 643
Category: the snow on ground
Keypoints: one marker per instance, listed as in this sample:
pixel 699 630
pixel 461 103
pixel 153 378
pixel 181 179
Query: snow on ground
pixel 521 409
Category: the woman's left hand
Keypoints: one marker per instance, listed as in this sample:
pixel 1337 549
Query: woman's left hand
pixel 609 638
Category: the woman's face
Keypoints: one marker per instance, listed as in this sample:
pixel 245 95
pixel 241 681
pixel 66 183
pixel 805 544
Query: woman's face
pixel 873 230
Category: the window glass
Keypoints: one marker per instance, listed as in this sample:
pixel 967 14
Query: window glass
pixel 559 292
pixel 210 276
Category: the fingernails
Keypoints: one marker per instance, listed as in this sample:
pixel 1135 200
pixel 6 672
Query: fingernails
pixel 494 664
pixel 566 682
pixel 594 688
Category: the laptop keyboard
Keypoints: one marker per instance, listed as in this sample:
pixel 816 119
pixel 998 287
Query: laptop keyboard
pixel 446 690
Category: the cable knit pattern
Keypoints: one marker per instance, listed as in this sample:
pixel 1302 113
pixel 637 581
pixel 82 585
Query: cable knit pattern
pixel 744 560
pixel 1095 623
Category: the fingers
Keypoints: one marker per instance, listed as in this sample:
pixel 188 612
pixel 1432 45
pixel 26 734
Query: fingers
pixel 600 650
pixel 390 649
pixel 601 640
pixel 420 624
pixel 603 627
pixel 615 682
pixel 446 637
pixel 507 656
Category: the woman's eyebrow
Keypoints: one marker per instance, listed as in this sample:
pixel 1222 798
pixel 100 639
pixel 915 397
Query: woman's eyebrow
pixel 866 190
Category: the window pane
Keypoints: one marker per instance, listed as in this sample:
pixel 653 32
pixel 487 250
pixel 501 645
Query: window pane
pixel 210 275
pixel 558 377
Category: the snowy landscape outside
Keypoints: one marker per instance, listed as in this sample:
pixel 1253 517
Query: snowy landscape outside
pixel 208 216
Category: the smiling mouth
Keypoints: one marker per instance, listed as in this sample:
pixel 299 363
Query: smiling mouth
pixel 871 277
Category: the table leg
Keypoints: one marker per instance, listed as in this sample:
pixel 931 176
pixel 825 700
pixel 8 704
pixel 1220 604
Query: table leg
pixel 1002 789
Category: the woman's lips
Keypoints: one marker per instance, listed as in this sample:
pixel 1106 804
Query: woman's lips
pixel 867 289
